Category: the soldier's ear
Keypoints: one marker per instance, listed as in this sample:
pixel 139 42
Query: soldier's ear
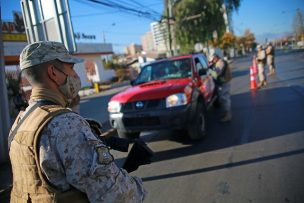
pixel 53 73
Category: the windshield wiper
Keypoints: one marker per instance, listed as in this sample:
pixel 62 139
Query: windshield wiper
pixel 172 78
pixel 138 83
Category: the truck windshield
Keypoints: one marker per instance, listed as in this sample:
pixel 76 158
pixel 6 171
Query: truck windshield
pixel 165 70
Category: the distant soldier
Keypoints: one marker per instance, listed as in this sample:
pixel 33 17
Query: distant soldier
pixel 54 154
pixel 261 61
pixel 270 52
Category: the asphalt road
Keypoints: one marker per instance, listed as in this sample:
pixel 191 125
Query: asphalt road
pixel 257 157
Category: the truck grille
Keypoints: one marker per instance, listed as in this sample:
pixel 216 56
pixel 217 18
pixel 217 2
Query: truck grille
pixel 145 121
pixel 142 105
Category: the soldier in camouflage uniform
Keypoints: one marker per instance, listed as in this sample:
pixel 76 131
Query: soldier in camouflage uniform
pixel 261 61
pixel 54 154
pixel 221 73
pixel 270 52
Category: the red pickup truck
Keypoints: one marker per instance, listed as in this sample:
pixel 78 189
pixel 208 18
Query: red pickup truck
pixel 172 93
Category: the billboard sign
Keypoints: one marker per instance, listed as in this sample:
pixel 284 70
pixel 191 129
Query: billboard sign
pixel 14 31
pixel 48 20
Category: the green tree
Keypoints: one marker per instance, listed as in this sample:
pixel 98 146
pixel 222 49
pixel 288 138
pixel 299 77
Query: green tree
pixel 113 63
pixel 196 20
pixel 246 41
pixel 239 44
pixel 228 40
pixel 120 68
pixel 249 40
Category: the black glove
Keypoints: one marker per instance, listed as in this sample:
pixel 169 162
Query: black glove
pixel 140 154
pixel 95 126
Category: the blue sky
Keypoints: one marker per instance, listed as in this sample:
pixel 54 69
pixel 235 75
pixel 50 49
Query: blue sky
pixel 264 18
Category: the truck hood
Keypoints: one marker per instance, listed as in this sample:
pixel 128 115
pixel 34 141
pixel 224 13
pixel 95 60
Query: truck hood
pixel 152 90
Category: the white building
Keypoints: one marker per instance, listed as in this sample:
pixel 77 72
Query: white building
pixel 91 70
pixel 133 49
pixel 160 36
pixel 147 42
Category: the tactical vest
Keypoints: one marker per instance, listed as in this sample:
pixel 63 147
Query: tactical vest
pixel 270 50
pixel 29 183
pixel 261 57
pixel 225 76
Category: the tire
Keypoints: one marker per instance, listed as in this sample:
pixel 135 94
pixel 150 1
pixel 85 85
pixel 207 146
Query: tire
pixel 127 135
pixel 197 128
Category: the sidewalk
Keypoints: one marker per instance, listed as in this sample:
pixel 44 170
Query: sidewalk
pixel 103 88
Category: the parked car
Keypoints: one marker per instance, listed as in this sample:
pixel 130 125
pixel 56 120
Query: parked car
pixel 172 93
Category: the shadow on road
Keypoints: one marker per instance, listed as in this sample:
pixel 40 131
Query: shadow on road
pixel 224 166
pixel 294 79
pixel 240 73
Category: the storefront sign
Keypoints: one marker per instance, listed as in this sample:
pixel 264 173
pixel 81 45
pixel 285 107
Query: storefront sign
pixel 14 31
pixel 79 36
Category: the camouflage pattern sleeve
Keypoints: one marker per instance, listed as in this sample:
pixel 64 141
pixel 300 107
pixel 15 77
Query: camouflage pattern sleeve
pixel 70 154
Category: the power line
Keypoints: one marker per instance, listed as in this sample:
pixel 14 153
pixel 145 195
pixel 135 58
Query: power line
pixel 94 14
pixel 127 2
pixel 125 9
pixel 131 7
pixel 145 6
pixel 115 5
pixel 155 15
pixel 137 5
pixel 85 3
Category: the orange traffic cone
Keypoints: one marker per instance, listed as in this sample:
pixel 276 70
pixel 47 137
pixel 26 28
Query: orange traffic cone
pixel 253 84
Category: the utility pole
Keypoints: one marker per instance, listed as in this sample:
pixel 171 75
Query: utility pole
pixel 173 33
pixel 168 7
pixel 226 18
pixel 107 30
pixel 104 37
pixel 4 112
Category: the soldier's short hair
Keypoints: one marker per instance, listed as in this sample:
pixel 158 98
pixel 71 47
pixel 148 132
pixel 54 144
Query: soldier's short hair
pixel 36 74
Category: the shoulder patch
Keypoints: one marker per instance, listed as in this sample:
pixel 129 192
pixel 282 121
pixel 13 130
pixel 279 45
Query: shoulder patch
pixel 103 155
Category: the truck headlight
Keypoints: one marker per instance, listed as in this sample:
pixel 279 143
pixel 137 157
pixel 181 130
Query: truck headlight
pixel 114 107
pixel 176 100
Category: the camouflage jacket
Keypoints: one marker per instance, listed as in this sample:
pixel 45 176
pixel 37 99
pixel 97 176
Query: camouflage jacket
pixel 71 155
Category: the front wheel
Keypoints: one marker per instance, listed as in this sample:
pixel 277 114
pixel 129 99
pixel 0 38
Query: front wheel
pixel 127 135
pixel 197 128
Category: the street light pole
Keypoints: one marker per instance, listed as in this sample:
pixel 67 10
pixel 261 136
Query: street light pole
pixel 104 34
pixel 168 7
pixel 4 113
pixel 104 37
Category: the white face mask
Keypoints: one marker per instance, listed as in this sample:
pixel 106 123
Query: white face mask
pixel 71 87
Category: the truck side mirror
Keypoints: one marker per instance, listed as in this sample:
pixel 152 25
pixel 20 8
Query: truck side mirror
pixel 202 72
